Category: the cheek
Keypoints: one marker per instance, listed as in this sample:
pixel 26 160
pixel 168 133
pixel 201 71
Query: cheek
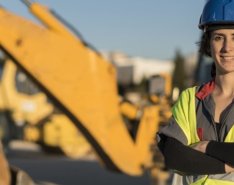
pixel 211 48
pixel 214 50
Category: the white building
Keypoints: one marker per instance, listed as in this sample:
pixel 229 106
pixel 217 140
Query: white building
pixel 137 68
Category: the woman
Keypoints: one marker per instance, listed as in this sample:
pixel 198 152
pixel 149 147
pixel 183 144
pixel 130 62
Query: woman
pixel 198 142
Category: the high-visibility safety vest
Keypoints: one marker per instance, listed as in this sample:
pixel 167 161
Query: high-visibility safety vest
pixel 184 112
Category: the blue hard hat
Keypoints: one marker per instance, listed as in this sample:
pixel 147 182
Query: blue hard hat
pixel 217 12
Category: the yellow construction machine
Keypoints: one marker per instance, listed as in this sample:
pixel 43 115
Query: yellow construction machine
pixel 26 114
pixel 80 82
pixel 160 89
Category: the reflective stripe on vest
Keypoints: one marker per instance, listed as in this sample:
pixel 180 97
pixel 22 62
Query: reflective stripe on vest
pixel 184 112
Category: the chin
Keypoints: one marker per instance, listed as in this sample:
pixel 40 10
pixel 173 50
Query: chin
pixel 224 72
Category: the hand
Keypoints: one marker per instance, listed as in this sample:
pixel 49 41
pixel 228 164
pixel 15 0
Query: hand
pixel 228 169
pixel 200 146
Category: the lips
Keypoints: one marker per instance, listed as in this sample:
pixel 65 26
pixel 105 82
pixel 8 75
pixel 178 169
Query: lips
pixel 227 57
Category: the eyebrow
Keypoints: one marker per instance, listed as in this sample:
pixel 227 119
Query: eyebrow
pixel 221 34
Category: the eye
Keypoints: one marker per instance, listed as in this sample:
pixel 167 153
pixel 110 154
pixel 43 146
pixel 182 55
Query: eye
pixel 217 38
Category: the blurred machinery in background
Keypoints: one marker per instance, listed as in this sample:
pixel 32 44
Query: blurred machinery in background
pixel 81 84
pixel 160 93
pixel 27 114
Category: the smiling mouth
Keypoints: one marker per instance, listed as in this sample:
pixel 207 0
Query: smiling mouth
pixel 227 57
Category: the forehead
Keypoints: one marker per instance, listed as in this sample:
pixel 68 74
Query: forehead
pixel 223 32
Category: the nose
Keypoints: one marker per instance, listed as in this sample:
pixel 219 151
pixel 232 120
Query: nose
pixel 228 45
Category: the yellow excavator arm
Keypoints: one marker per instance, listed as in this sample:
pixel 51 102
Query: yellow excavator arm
pixel 82 83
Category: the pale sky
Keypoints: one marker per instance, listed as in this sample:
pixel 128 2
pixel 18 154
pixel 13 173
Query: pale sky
pixel 149 28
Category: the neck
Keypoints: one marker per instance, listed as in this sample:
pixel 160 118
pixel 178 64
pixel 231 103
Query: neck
pixel 224 84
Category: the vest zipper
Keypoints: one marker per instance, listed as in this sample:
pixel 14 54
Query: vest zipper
pixel 213 123
pixel 215 129
pixel 222 122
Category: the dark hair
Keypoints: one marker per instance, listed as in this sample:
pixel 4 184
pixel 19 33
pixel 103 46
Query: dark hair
pixel 204 49
pixel 204 44
pixel 213 70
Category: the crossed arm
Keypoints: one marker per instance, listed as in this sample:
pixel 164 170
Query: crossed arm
pixel 218 150
pixel 205 157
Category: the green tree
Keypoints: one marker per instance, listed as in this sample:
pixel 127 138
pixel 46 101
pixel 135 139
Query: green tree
pixel 179 71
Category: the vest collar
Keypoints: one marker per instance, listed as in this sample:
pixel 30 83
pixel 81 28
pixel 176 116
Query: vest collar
pixel 206 90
